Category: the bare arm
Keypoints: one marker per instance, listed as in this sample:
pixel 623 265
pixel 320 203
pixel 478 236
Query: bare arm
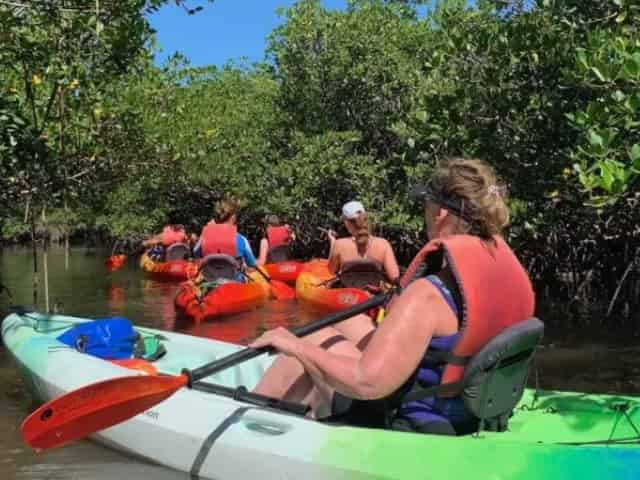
pixel 391 356
pixel 390 263
pixel 264 249
pixel 334 258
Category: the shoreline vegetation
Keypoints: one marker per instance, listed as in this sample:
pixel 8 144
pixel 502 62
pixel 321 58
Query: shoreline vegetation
pixel 98 142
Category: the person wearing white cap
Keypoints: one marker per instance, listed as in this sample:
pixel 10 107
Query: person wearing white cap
pixel 361 244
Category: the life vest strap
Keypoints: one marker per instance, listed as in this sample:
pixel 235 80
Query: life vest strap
pixel 447 389
pixel 442 357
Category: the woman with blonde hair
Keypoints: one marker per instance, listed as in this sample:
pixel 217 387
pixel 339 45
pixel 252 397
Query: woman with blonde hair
pixel 464 288
pixel 361 244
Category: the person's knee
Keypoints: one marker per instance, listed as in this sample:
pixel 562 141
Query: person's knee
pixel 326 338
pixel 357 329
pixel 331 339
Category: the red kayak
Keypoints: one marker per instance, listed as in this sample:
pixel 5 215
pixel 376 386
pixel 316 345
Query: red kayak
pixel 287 271
pixel 114 262
pixel 172 270
pixel 194 303
pixel 312 288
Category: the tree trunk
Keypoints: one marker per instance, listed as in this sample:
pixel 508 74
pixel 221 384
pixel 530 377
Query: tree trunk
pixel 45 261
pixel 35 260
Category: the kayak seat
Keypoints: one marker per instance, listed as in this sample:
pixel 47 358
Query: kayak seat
pixel 281 253
pixel 492 385
pixel 219 265
pixel 495 378
pixel 361 273
pixel 178 251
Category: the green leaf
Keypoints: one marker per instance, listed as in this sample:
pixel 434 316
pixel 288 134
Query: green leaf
pixel 598 74
pixel 618 96
pixel 631 68
pixel 421 115
pixel 634 154
pixel 595 139
pixel 606 175
pixel 582 59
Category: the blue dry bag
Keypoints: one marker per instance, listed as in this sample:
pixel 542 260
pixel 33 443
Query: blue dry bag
pixel 110 338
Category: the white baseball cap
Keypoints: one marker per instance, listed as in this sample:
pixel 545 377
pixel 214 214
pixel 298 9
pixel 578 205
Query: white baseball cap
pixel 351 210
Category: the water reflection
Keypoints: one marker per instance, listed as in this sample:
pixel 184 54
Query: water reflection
pixel 89 289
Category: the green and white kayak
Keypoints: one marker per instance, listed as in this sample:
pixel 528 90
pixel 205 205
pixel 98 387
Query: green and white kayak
pixel 552 435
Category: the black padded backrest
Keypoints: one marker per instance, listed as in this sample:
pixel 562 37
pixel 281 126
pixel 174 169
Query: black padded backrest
pixel 219 265
pixel 361 273
pixel 495 378
pixel 177 251
pixel 278 254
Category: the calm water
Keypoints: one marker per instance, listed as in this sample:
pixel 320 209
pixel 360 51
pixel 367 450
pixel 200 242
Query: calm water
pixel 87 290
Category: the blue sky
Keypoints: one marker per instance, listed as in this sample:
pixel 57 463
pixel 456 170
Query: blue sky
pixel 225 30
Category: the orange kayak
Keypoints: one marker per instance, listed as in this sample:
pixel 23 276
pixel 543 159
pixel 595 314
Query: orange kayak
pixel 171 271
pixel 225 299
pixel 287 272
pixel 114 262
pixel 310 288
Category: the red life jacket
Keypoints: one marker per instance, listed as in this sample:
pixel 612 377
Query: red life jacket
pixel 171 235
pixel 219 238
pixel 496 292
pixel 277 236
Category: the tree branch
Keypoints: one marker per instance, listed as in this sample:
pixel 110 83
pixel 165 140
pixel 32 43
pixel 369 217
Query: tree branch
pixel 54 92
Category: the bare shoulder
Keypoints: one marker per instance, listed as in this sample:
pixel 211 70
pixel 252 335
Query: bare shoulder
pixel 419 291
pixel 341 243
pixel 383 242
pixel 417 308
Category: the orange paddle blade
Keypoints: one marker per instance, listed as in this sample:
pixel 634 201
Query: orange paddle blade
pixel 95 407
pixel 281 290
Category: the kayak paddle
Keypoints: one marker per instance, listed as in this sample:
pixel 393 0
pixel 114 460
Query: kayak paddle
pixel 280 290
pixel 100 405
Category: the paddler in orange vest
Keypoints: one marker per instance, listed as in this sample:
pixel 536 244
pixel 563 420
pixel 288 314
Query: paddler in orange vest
pixel 360 245
pixel 172 233
pixel 462 289
pixel 275 245
pixel 221 235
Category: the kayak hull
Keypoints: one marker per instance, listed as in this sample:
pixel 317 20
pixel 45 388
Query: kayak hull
pixel 287 272
pixel 225 299
pixel 171 271
pixel 311 289
pixel 211 436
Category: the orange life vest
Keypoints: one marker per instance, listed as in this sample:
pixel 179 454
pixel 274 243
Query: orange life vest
pixel 171 235
pixel 277 236
pixel 219 238
pixel 496 292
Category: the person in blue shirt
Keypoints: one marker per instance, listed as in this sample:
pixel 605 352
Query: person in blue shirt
pixel 221 235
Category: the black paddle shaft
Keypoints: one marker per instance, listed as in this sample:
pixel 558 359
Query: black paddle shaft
pixel 249 353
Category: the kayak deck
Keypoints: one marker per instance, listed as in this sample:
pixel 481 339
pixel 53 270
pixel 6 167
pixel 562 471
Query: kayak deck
pixel 226 299
pixel 170 271
pixel 312 289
